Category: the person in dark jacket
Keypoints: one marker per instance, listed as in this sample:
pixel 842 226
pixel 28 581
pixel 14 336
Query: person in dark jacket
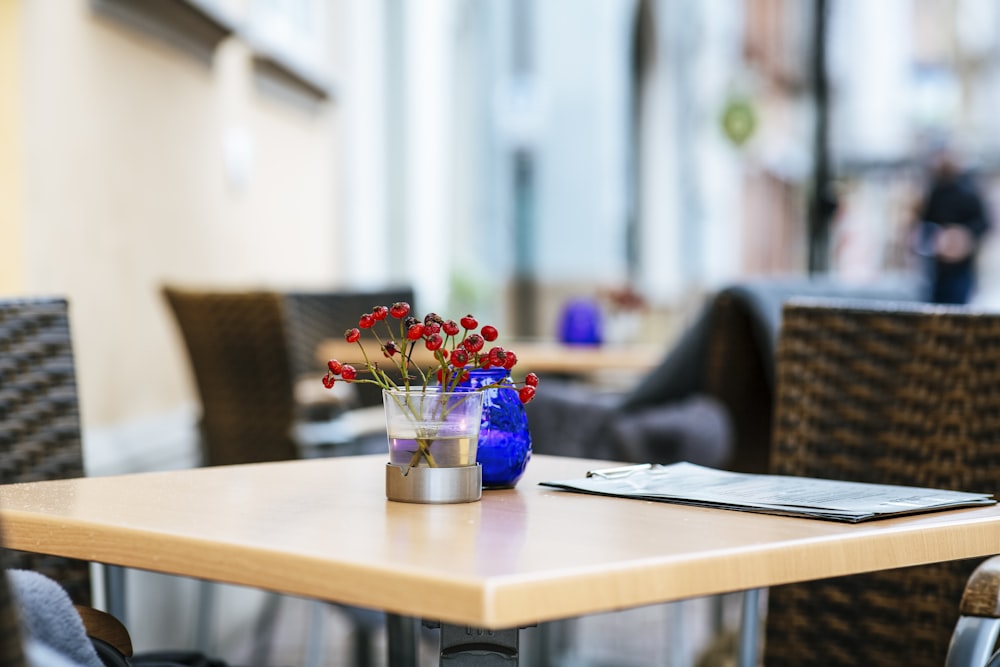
pixel 953 220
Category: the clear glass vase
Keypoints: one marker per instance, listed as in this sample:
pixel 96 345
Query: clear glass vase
pixel 433 442
pixel 433 428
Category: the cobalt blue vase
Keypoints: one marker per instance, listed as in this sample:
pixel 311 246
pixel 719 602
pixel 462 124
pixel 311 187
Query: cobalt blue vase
pixel 504 440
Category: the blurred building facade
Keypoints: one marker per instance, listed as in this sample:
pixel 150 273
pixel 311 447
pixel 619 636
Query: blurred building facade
pixel 567 147
pixel 501 157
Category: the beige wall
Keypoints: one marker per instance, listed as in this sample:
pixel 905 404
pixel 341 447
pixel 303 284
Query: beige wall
pixel 124 187
pixel 10 124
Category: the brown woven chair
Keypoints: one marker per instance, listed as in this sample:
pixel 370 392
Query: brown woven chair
pixel 885 393
pixel 39 416
pixel 237 347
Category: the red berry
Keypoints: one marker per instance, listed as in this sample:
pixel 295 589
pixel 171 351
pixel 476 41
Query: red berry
pixel 450 327
pixel 465 376
pixel 526 393
pixel 531 380
pixel 432 328
pixel 443 354
pixel 459 357
pixel 380 312
pixel 415 331
pixel 498 356
pixel 367 321
pixel 473 343
pixel 390 348
pixel 348 372
pixel 328 381
pixel 440 375
pixel 352 335
pixel 490 333
pixel 434 342
pixel 469 322
pixel 334 366
pixel 432 318
pixel 399 309
pixel 485 363
pixel 511 360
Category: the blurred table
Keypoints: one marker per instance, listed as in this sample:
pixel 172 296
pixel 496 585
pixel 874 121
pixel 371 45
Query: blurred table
pixel 323 529
pixel 542 357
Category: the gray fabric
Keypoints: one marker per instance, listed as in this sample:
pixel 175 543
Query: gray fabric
pixel 574 420
pixel 696 429
pixel 48 617
pixel 567 419
pixel 39 654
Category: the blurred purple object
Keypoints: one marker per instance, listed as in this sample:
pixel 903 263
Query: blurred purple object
pixel 580 323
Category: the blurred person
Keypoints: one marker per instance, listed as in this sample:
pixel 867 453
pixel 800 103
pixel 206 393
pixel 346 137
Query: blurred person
pixel 951 223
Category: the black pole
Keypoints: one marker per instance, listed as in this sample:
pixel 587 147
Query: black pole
pixel 822 202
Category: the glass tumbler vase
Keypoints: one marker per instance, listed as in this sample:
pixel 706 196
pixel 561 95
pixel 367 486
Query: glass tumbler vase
pixel 433 439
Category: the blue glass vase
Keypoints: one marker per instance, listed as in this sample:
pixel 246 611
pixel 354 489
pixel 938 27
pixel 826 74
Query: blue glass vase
pixel 504 440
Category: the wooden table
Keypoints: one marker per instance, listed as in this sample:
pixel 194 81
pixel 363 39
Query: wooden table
pixel 322 528
pixel 542 357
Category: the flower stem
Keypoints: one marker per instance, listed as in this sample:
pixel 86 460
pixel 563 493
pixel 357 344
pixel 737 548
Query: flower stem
pixel 423 452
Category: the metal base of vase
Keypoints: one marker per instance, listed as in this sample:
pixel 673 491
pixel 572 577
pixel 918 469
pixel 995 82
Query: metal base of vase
pixel 405 484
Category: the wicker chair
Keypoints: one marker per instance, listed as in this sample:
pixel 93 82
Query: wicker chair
pixel 41 440
pixel 312 317
pixel 238 345
pixel 39 416
pixel 239 356
pixel 887 393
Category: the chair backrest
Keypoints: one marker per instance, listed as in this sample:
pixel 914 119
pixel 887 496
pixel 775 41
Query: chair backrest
pixel 312 317
pixel 39 416
pixel 237 348
pixel 884 393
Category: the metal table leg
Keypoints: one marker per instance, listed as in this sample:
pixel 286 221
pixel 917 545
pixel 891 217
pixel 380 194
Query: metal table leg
pixel 401 634
pixel 749 627
pixel 114 591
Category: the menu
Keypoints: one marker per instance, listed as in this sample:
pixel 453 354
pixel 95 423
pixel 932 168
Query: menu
pixel 809 497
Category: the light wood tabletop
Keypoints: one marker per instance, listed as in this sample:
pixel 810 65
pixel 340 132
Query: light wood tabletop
pixel 322 528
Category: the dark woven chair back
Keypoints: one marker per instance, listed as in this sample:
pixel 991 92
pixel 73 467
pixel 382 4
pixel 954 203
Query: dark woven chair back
pixel 237 349
pixel 40 417
pixel 884 393
pixel 315 316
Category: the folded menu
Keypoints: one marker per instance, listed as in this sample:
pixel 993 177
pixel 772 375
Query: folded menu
pixel 690 484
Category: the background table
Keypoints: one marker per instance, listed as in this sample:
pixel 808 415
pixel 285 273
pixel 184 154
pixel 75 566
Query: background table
pixel 323 529
pixel 539 356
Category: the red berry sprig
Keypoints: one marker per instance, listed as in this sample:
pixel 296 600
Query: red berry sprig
pixel 455 346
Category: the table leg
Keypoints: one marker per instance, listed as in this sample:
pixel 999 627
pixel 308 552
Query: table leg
pixel 749 628
pixel 114 591
pixel 402 638
pixel 463 646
